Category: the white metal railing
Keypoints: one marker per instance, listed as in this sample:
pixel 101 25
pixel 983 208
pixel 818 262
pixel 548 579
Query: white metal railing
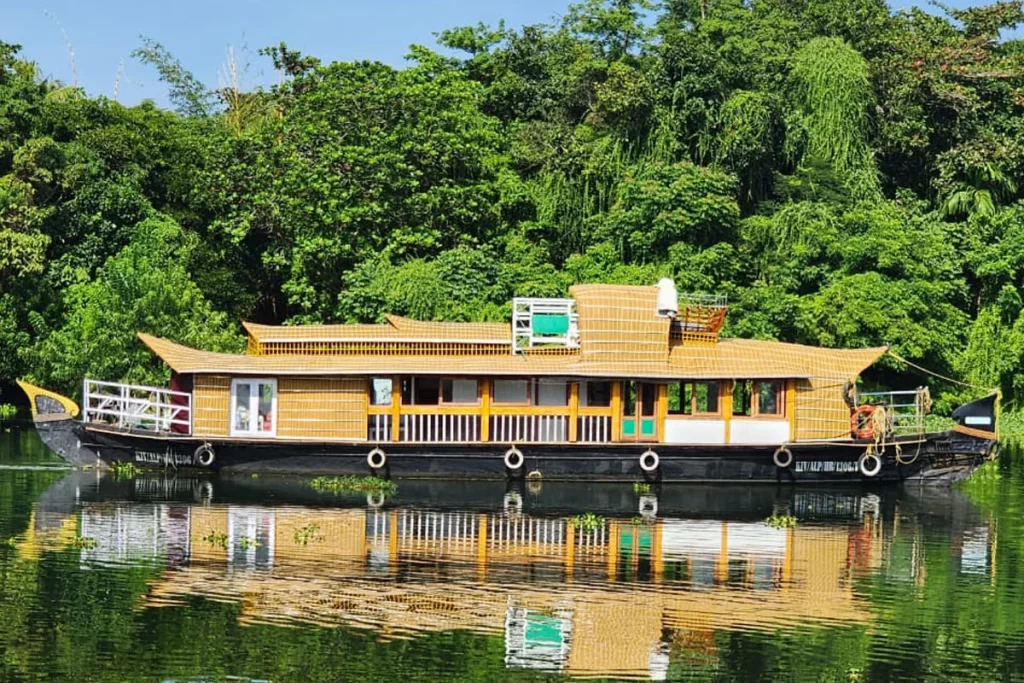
pixel 529 428
pixel 594 428
pixel 904 410
pixel 379 428
pixel 132 406
pixel 524 336
pixel 439 427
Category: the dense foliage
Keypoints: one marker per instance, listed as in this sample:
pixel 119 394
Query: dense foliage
pixel 846 174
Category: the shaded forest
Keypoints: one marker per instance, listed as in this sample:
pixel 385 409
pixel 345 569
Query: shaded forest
pixel 847 174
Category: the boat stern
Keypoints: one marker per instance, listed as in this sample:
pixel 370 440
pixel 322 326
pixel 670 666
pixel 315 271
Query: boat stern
pixel 54 417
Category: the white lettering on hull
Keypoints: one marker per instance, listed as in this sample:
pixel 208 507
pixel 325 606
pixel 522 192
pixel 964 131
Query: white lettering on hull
pixel 826 466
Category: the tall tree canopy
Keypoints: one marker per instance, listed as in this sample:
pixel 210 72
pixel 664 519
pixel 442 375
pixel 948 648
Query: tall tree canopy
pixel 847 174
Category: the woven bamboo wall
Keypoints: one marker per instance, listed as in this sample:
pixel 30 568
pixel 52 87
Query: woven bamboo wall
pixel 211 405
pixel 321 408
pixel 821 412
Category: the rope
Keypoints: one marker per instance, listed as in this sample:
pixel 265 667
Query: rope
pixel 935 374
pixel 899 455
pixel 880 429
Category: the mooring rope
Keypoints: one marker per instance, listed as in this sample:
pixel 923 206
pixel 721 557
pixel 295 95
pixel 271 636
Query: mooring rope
pixel 935 374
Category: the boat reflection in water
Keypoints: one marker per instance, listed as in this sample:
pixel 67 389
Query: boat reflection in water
pixel 619 594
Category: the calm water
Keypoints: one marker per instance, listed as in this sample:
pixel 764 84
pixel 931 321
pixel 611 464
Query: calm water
pixel 178 578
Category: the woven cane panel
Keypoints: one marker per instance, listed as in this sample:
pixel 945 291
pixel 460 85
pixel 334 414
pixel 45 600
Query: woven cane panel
pixel 821 412
pixel 620 325
pixel 321 408
pixel 212 409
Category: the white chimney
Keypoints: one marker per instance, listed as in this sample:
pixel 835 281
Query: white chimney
pixel 668 298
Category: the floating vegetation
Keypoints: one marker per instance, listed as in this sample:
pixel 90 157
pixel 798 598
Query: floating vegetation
pixel 247 542
pixel 781 521
pixel 641 487
pixel 216 539
pixel 353 484
pixel 310 533
pixel 7 411
pixel 255 475
pixel 124 470
pixel 588 522
pixel 84 543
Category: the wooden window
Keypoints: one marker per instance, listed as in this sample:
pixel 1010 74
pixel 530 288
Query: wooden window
pixel 596 394
pixel 770 398
pixel 694 398
pixel 741 393
pixel 421 391
pixel 461 391
pixel 512 391
pixel 253 407
pixel 628 399
pixel 759 398
pixel 550 392
pixel 380 391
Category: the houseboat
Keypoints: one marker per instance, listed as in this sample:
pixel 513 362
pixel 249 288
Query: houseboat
pixel 614 383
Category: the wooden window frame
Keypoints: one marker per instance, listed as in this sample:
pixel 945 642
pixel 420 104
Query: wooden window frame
pixel 233 407
pixel 584 385
pixel 412 390
pixel 533 392
pixel 369 391
pixel 440 392
pixel 529 391
pixel 754 403
pixel 693 414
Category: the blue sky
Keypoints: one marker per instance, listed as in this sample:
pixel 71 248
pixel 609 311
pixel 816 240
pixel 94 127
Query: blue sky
pixel 198 32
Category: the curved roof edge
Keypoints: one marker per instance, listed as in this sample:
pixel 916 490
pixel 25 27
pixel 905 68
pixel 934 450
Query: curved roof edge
pixel 729 358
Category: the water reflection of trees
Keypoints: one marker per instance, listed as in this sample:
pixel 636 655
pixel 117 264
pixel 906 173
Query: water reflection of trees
pixel 896 584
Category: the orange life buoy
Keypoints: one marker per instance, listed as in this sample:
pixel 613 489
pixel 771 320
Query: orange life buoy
pixel 860 422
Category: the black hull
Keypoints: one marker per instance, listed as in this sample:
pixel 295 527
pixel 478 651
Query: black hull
pixel 941 457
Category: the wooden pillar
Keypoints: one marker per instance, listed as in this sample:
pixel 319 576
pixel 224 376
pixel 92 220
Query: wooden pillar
pixel 481 547
pixel 662 412
pixel 574 410
pixel 396 409
pixel 726 401
pixel 791 407
pixel 485 410
pixel 616 411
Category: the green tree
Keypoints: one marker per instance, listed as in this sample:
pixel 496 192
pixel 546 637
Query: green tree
pixel 143 288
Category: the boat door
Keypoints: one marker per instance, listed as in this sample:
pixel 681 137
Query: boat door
pixel 639 411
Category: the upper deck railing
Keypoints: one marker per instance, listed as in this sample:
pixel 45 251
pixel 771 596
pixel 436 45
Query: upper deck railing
pixel 700 317
pixel 544 323
pixel 133 406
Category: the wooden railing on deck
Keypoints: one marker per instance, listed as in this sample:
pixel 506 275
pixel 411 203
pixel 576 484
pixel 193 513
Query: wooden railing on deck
pixel 488 422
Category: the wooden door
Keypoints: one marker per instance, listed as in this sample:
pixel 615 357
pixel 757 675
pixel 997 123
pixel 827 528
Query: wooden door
pixel 639 411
